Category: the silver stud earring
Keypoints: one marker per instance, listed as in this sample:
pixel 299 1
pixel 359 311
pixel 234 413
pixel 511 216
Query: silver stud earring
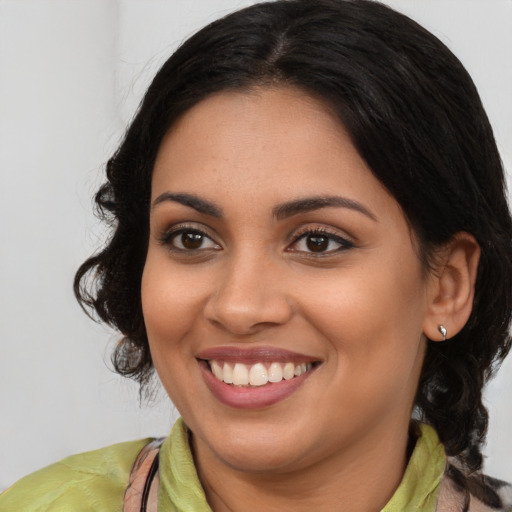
pixel 443 331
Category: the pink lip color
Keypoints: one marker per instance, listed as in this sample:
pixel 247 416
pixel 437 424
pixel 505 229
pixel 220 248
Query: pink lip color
pixel 254 355
pixel 252 397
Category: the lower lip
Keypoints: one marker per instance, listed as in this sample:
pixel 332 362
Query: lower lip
pixel 251 397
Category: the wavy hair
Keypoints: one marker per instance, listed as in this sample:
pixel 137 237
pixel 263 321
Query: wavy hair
pixel 415 116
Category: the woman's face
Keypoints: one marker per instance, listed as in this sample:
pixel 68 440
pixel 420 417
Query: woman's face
pixel 274 251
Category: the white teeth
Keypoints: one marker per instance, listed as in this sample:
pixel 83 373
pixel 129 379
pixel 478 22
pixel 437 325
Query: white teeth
pixel 275 373
pixel 257 374
pixel 227 374
pixel 288 371
pixel 240 375
pixel 300 369
pixel 217 370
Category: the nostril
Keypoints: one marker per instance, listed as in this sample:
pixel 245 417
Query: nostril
pixel 244 314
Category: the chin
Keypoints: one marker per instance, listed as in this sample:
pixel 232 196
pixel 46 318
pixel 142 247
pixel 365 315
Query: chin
pixel 260 459
pixel 260 449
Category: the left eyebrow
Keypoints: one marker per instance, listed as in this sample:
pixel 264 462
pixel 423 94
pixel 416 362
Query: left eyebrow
pixel 192 201
pixel 308 204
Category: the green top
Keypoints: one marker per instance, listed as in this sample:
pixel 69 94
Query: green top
pixel 96 481
pixel 92 481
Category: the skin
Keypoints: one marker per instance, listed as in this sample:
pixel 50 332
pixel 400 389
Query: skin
pixel 360 308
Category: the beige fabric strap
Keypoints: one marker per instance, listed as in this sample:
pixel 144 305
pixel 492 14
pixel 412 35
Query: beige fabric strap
pixel 491 496
pixel 133 497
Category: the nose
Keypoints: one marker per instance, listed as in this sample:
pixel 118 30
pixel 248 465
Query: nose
pixel 250 295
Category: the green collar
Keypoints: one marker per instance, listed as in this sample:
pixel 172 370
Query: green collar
pixel 422 479
pixel 181 491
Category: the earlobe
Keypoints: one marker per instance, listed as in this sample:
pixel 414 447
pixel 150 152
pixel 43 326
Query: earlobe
pixel 452 288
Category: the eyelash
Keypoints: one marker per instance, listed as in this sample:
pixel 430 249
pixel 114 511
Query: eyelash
pixel 169 236
pixel 344 244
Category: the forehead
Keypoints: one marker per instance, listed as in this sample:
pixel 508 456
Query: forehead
pixel 272 143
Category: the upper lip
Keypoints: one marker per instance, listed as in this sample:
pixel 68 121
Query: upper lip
pixel 254 355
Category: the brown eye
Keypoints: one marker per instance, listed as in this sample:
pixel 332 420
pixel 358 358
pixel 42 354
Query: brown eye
pixel 320 242
pixel 192 240
pixel 317 243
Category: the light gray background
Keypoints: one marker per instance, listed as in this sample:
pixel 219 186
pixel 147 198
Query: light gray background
pixel 71 75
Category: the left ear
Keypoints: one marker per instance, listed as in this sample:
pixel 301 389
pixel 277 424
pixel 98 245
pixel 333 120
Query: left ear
pixel 452 287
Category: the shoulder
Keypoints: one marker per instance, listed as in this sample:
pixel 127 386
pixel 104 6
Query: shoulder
pixel 494 493
pixel 486 494
pixel 93 480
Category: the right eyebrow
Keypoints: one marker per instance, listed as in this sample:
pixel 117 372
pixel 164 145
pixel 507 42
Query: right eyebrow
pixel 308 204
pixel 192 201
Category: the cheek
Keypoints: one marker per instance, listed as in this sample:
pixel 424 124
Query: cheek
pixel 170 299
pixel 376 350
pixel 168 315
pixel 352 304
pixel 372 317
pixel 167 305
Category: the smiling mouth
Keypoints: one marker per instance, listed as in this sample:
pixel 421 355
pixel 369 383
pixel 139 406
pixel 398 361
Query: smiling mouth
pixel 257 374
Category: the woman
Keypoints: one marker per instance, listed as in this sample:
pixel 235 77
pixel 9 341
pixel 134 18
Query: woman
pixel 311 245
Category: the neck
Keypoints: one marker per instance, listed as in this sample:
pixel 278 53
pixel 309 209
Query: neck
pixel 363 477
